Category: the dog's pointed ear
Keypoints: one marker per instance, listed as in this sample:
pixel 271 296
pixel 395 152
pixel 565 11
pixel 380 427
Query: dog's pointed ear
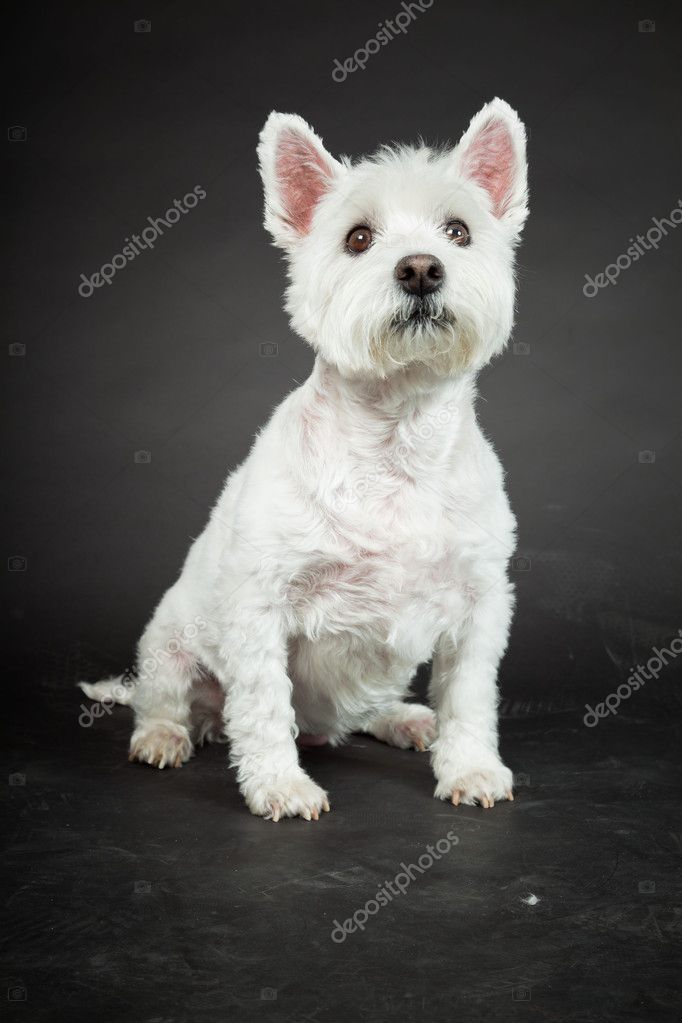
pixel 492 153
pixel 297 171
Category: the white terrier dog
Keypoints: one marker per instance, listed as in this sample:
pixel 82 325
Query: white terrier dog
pixel 368 530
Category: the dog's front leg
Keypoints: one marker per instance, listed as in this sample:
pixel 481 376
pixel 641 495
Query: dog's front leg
pixel 465 757
pixel 259 718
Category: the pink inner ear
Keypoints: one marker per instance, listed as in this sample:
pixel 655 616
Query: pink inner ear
pixel 303 176
pixel 489 161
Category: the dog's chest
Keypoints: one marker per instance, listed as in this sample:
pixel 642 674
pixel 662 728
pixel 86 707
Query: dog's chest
pixel 402 586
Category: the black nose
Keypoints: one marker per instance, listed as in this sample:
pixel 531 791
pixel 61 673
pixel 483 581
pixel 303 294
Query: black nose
pixel 420 274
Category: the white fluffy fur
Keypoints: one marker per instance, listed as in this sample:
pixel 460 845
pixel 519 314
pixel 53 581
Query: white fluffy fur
pixel 368 530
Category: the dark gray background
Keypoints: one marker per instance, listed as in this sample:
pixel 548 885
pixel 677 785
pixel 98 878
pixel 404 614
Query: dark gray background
pixel 168 359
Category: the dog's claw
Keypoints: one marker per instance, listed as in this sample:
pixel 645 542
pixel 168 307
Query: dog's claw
pixel 325 806
pixel 411 726
pixel 294 795
pixel 465 786
pixel 160 745
pixel 510 796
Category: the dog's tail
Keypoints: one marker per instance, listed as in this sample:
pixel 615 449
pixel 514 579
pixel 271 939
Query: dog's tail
pixel 117 689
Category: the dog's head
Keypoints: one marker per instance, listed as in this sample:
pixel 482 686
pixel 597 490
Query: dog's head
pixel 403 258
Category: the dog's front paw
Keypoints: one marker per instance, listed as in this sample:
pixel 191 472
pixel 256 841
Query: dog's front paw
pixel 482 786
pixel 476 778
pixel 290 795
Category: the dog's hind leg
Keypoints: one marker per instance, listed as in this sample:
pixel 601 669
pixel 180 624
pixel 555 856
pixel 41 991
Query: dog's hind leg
pixel 207 705
pixel 405 725
pixel 162 734
pixel 162 699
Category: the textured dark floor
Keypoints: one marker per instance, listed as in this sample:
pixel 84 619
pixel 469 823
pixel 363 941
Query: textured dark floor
pixel 154 897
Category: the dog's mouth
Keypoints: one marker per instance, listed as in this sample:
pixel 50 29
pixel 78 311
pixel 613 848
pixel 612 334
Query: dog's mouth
pixel 422 330
pixel 422 314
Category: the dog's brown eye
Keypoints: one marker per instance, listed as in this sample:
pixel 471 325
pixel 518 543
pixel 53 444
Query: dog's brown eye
pixel 458 232
pixel 359 240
